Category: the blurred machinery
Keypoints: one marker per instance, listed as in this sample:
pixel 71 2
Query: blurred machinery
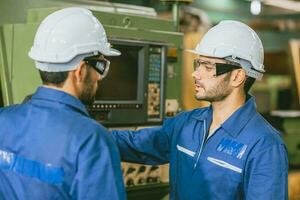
pixel 141 36
pixel 145 181
pixel 136 174
pixel 290 116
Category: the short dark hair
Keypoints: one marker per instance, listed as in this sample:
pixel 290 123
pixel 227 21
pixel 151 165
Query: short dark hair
pixel 248 84
pixel 54 78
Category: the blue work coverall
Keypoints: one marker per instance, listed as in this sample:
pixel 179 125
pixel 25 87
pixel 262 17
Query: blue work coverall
pixel 51 149
pixel 245 158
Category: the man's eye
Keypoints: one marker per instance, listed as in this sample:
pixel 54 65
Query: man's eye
pixel 208 68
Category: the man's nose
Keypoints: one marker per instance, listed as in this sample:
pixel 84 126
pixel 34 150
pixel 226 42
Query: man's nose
pixel 196 75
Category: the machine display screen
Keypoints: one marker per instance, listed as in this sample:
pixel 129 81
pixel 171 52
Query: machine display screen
pixel 121 83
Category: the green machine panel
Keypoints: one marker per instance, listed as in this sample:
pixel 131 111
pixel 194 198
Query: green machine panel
pixel 18 74
pixel 20 78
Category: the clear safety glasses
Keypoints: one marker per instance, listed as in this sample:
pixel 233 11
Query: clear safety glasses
pixel 215 69
pixel 99 63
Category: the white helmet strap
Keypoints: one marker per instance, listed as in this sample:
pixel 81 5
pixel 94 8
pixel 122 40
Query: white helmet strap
pixel 57 67
pixel 246 65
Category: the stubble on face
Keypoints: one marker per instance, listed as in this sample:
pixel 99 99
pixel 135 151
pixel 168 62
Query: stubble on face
pixel 218 92
pixel 87 96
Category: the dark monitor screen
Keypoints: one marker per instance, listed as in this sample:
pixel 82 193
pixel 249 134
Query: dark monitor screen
pixel 121 83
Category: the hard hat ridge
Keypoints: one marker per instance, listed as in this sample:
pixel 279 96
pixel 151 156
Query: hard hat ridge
pixel 66 34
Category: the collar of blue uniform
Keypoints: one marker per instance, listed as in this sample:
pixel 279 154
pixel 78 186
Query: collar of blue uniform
pixel 61 97
pixel 236 122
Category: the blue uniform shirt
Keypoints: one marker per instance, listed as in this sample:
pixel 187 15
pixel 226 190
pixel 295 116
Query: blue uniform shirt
pixel 51 149
pixel 245 158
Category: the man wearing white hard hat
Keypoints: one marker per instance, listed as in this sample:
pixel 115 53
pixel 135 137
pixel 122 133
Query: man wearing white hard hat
pixel 225 151
pixel 50 148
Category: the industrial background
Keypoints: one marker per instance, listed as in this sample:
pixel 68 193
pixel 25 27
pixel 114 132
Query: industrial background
pixel 157 32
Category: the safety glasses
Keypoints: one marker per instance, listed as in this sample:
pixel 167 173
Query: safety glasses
pixel 215 68
pixel 99 63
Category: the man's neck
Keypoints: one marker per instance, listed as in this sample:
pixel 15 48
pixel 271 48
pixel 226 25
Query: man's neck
pixel 222 110
pixel 64 88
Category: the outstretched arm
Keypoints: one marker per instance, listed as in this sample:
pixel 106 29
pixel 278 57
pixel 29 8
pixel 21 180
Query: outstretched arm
pixel 148 146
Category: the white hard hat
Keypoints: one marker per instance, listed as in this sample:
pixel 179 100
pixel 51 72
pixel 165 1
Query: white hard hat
pixel 236 42
pixel 65 37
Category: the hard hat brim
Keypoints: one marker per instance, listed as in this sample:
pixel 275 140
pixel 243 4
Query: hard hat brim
pixel 201 54
pixel 112 52
pixel 192 51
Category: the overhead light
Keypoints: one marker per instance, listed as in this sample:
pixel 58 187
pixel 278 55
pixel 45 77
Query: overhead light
pixel 255 7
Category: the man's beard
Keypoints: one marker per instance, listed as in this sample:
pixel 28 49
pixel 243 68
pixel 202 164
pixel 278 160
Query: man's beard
pixel 218 92
pixel 87 96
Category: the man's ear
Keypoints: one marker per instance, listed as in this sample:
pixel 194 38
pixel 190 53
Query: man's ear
pixel 80 72
pixel 238 77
